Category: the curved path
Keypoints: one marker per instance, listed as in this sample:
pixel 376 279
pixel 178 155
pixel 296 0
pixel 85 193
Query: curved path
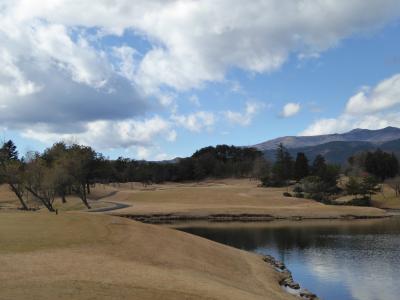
pixel 115 206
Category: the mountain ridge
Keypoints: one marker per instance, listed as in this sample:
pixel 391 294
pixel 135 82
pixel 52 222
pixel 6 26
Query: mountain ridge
pixel 374 137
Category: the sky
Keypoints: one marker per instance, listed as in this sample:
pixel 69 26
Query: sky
pixel 157 79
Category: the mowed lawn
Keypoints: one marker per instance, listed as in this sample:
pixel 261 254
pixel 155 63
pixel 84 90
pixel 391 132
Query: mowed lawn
pixel 86 256
pixel 231 196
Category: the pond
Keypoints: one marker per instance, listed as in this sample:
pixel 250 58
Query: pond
pixel 344 260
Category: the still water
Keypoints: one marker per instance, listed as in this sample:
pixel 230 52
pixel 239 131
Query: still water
pixel 337 260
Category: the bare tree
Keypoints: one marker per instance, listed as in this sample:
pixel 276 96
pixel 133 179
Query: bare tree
pixel 394 183
pixel 40 181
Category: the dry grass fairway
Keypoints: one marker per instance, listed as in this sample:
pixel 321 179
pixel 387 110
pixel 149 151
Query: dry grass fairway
pixel 387 199
pixel 82 256
pixel 8 200
pixel 226 197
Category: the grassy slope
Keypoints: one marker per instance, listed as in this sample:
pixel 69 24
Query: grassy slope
pixel 387 199
pixel 227 196
pixel 82 256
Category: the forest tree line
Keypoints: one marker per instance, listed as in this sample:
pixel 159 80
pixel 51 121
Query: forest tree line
pixel 63 170
pixel 318 179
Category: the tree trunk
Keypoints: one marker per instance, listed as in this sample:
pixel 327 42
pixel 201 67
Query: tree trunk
pixel 18 194
pixel 88 188
pixel 83 196
pixel 46 202
pixel 63 199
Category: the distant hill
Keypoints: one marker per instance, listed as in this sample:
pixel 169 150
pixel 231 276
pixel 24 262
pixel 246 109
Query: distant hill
pixel 336 148
pixel 357 135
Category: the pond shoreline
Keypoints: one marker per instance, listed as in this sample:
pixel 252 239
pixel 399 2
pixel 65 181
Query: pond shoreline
pixel 310 247
pixel 172 218
pixel 287 281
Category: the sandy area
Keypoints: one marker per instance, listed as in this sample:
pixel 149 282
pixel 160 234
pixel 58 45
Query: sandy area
pixel 232 197
pixel 87 256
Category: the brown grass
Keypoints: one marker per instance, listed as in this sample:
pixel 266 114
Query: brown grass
pixel 82 256
pixel 8 200
pixel 227 197
pixel 386 199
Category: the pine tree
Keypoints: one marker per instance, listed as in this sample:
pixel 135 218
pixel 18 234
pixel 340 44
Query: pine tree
pixel 9 151
pixel 301 168
pixel 283 168
pixel 381 164
pixel 319 166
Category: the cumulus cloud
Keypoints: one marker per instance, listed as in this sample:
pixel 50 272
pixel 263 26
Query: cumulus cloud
pixel 197 41
pixel 58 74
pixel 196 122
pixel 385 95
pixel 370 108
pixel 111 135
pixel 244 118
pixel 49 78
pixel 290 109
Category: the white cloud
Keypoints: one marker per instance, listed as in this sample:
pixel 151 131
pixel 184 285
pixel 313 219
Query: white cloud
pixel 58 74
pixel 127 63
pixel 84 63
pixel 195 122
pixel 385 95
pixel 243 37
pixel 162 156
pixel 110 135
pixel 371 108
pixel 244 118
pixel 13 81
pixel 197 41
pixel 290 109
pixel 143 152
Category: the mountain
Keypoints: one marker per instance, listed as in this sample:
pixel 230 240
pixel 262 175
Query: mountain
pixel 336 148
pixel 357 135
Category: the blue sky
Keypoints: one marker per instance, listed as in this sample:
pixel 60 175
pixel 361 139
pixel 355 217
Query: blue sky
pixel 155 80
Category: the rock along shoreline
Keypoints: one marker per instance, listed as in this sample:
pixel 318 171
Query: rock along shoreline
pixel 287 281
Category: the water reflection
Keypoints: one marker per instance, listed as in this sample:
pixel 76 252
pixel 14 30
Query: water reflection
pixel 334 259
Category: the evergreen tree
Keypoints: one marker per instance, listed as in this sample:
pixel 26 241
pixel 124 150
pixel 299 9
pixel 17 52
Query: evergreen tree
pixel 9 151
pixel 11 171
pixel 381 164
pixel 282 170
pixel 319 166
pixel 301 168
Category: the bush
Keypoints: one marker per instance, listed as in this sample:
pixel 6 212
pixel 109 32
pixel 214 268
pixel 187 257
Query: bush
pixel 268 181
pixel 286 194
pixel 297 189
pixel 365 201
pixel 299 195
pixel 316 196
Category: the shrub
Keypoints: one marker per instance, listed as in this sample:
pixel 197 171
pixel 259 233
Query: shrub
pixel 297 189
pixel 364 201
pixel 316 196
pixel 269 181
pixel 286 194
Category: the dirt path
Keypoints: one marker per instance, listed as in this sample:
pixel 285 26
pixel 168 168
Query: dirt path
pixel 115 206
